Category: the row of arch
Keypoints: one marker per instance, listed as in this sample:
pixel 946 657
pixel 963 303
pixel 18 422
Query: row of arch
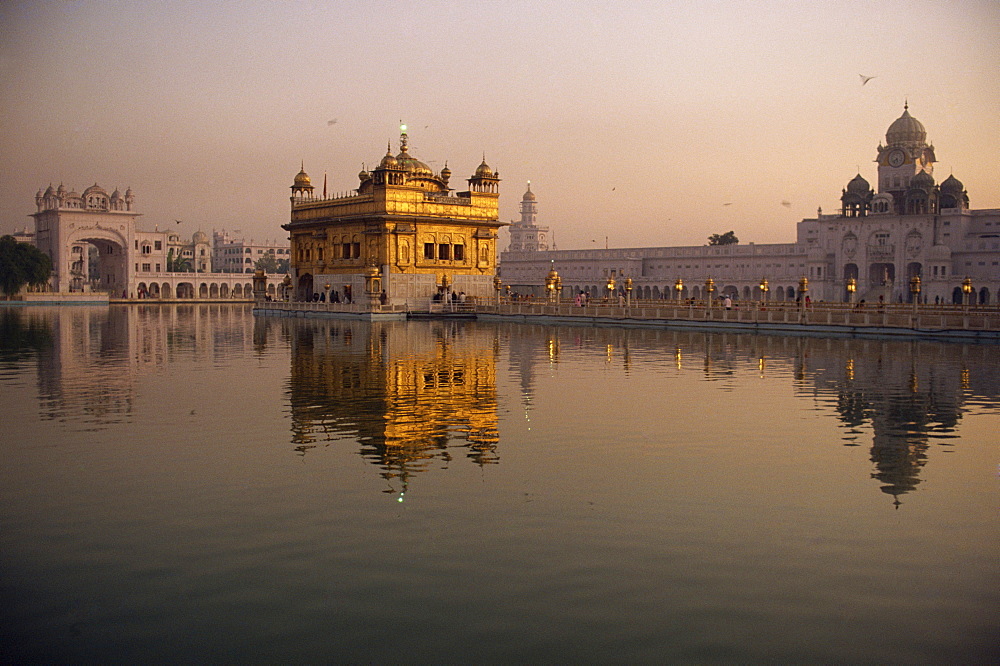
pixel 194 290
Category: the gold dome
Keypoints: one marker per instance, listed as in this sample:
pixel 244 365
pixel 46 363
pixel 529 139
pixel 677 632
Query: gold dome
pixel 484 170
pixel 302 178
pixel 388 162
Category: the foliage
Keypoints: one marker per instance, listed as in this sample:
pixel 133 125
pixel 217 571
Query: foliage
pixel 728 238
pixel 271 264
pixel 19 337
pixel 21 264
pixel 177 264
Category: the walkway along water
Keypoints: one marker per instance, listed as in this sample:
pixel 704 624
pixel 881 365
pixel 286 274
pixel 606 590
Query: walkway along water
pixel 974 323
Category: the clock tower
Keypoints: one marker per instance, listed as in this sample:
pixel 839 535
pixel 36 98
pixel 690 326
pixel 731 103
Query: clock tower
pixel 905 155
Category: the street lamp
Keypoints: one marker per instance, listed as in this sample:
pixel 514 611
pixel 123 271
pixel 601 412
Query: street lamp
pixel 852 286
pixel 373 285
pixel 679 287
pixel 803 290
pixel 764 288
pixel 915 291
pixel 550 284
pixel 709 288
pixel 611 286
pixel 966 290
pixel 497 285
pixel 628 292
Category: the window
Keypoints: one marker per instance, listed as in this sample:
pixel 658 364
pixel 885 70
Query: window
pixel 444 251
pixel 146 249
pixel 428 250
pixel 248 251
pixel 158 245
pixel 459 252
pixel 145 268
pixel 355 250
pixel 346 251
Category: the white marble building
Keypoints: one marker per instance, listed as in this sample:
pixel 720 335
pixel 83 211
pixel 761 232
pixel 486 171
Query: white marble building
pixel 910 226
pixel 95 245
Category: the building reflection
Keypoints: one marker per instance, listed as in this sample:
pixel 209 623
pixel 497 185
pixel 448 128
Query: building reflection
pixel 411 396
pixel 90 358
pixel 899 398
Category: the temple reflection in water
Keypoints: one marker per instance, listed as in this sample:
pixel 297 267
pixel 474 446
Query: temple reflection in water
pixel 901 396
pixel 409 395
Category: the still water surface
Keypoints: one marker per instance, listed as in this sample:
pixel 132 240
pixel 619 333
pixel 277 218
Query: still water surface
pixel 187 483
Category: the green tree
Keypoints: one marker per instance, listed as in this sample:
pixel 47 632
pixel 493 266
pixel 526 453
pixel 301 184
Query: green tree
pixel 728 238
pixel 21 264
pixel 271 264
pixel 177 264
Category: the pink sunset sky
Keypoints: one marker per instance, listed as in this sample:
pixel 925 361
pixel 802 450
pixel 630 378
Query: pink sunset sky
pixel 635 121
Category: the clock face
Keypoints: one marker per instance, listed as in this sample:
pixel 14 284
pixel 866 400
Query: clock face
pixel 896 158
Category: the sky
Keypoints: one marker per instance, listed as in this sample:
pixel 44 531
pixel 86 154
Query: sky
pixel 638 124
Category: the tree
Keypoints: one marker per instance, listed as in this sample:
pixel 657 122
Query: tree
pixel 21 264
pixel 177 264
pixel 271 264
pixel 728 238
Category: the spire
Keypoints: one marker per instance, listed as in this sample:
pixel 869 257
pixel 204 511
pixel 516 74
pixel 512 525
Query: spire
pixel 402 137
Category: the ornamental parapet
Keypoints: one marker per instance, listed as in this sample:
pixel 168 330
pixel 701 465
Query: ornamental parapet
pixel 447 199
pixel 881 251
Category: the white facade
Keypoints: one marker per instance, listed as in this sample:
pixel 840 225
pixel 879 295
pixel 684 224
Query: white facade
pixel 909 227
pixel 94 244
pixel 238 255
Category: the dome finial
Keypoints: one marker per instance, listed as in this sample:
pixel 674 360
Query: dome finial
pixel 402 137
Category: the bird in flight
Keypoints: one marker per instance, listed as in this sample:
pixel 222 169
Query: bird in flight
pixel 786 204
pixel 728 204
pixel 177 221
pixel 865 79
pixel 331 122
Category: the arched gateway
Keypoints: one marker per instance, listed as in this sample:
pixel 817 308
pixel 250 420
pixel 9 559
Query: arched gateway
pixel 94 245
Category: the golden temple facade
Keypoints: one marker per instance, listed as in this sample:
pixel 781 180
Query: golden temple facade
pixel 404 224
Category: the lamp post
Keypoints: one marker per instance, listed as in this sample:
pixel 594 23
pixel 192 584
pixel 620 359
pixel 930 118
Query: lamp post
pixel 803 290
pixel 550 283
pixel 764 288
pixel 709 288
pixel 852 286
pixel 966 291
pixel 679 287
pixel 327 286
pixel 286 285
pixel 497 286
pixel 628 292
pixel 611 287
pixel 915 291
pixel 373 285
